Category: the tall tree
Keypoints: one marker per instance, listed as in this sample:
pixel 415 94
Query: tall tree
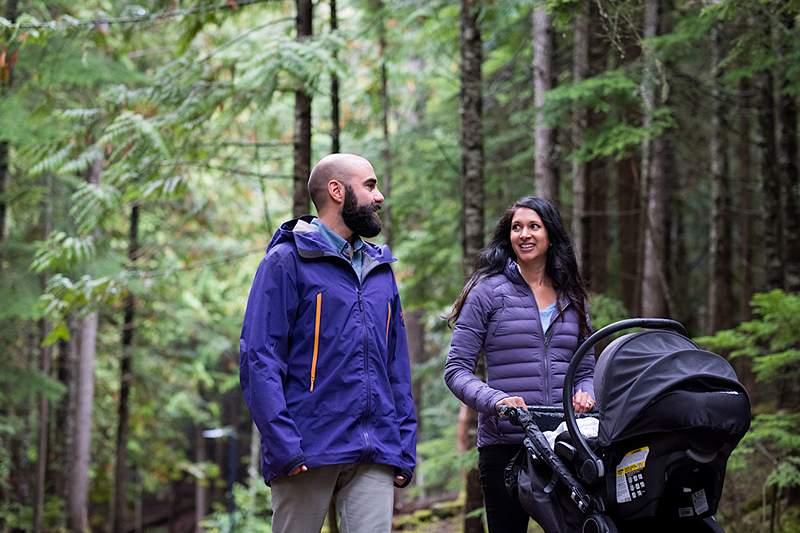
pixel 386 152
pixel 770 185
pixel 654 290
pixel 746 256
pixel 10 14
pixel 545 170
pixel 78 497
pixel 472 165
pixel 788 155
pixel 580 197
pixel 302 119
pixel 44 368
pixel 720 288
pixel 335 104
pixel 125 378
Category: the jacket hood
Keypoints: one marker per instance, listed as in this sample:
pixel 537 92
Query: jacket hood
pixel 310 243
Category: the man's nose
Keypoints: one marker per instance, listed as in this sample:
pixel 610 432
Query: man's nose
pixel 378 197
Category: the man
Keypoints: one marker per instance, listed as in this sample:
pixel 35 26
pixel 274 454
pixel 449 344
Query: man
pixel 324 360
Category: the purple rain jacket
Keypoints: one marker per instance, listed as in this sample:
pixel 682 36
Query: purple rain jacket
pixel 324 362
pixel 500 319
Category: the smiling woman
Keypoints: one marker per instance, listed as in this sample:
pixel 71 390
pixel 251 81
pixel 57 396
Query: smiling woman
pixel 525 308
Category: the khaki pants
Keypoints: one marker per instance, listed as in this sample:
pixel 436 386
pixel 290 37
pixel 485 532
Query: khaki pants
pixel 364 498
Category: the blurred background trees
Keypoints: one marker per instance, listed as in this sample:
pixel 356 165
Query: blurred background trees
pixel 149 149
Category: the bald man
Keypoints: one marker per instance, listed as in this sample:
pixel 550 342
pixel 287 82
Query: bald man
pixel 324 363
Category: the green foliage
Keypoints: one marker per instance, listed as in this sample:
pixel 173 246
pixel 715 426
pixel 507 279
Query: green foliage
pixel 605 310
pixel 252 503
pixel 772 342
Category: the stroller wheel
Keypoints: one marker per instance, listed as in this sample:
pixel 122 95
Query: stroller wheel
pixel 598 524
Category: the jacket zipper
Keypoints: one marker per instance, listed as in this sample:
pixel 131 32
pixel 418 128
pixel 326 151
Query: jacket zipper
pixel 316 342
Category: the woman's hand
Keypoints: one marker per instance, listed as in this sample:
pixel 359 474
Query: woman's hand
pixel 511 401
pixel 582 402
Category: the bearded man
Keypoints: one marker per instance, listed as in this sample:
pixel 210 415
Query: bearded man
pixel 324 362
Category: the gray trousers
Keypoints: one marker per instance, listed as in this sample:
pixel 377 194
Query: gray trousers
pixel 364 499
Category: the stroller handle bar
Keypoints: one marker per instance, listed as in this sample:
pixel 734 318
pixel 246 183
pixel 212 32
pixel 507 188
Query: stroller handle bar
pixel 591 468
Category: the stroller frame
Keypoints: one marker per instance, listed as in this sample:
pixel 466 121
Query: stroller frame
pixel 589 467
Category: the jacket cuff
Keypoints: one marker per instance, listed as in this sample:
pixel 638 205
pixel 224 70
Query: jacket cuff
pixel 492 403
pixel 407 474
pixel 586 385
pixel 293 463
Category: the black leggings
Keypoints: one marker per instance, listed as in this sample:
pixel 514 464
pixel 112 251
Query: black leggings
pixel 503 512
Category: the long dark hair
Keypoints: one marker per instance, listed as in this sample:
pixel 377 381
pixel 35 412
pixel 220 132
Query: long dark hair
pixel 561 266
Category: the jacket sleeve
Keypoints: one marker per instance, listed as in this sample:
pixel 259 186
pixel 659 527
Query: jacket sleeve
pixel 465 347
pixel 263 362
pixel 584 377
pixel 400 379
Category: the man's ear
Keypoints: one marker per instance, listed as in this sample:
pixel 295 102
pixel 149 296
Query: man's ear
pixel 336 191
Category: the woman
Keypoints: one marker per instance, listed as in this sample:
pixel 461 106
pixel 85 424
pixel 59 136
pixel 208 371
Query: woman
pixel 525 308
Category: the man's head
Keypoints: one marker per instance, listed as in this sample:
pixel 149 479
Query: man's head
pixel 344 189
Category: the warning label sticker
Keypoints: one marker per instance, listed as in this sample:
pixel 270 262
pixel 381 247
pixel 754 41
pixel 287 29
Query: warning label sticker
pixel 630 476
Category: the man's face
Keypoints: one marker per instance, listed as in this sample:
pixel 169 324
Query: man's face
pixel 362 201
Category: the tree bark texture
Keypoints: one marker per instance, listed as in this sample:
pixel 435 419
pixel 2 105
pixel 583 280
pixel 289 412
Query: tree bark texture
pixel 770 187
pixel 77 504
pixel 78 497
pixel 472 167
pixel 654 290
pixel 335 104
pixel 64 437
pixel 630 216
pixel 302 121
pixel 787 158
pixel 471 111
pixel 720 295
pixel 580 71
pixel 126 376
pixel 746 219
pixel 544 167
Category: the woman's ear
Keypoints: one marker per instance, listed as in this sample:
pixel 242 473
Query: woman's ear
pixel 336 191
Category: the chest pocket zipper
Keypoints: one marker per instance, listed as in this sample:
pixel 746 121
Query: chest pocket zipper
pixel 316 341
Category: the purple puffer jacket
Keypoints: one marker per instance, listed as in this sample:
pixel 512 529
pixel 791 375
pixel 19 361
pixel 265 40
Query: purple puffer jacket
pixel 500 319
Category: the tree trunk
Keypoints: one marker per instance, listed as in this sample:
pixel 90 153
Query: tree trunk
pixel 746 207
pixel 200 492
pixel 654 290
pixel 544 166
pixel 64 436
pixel 630 209
pixel 5 163
pixel 126 376
pixel 78 497
pixel 597 276
pixel 771 187
pixel 44 367
pixel 787 158
pixel 302 121
pixel 335 105
pixel 472 166
pixel 386 153
pixel 580 198
pixel 720 296
pixel 77 505
pixel 415 329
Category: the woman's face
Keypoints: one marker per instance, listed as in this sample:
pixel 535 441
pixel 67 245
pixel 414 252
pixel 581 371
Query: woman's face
pixel 528 236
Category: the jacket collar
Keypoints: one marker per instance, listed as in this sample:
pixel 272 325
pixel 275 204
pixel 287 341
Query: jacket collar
pixel 513 274
pixel 311 244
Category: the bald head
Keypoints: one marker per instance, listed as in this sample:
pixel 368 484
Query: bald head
pixel 340 167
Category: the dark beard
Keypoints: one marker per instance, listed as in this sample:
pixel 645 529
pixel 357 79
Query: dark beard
pixel 363 220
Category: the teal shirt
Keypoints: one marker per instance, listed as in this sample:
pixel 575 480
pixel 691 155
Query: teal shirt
pixel 546 315
pixel 353 254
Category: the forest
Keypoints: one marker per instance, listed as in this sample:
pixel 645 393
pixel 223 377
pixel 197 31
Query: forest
pixel 149 149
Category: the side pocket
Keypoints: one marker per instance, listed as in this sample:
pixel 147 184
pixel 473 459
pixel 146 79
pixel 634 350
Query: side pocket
pixel 316 341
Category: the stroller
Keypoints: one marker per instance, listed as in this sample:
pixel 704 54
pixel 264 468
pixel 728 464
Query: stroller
pixel 670 414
